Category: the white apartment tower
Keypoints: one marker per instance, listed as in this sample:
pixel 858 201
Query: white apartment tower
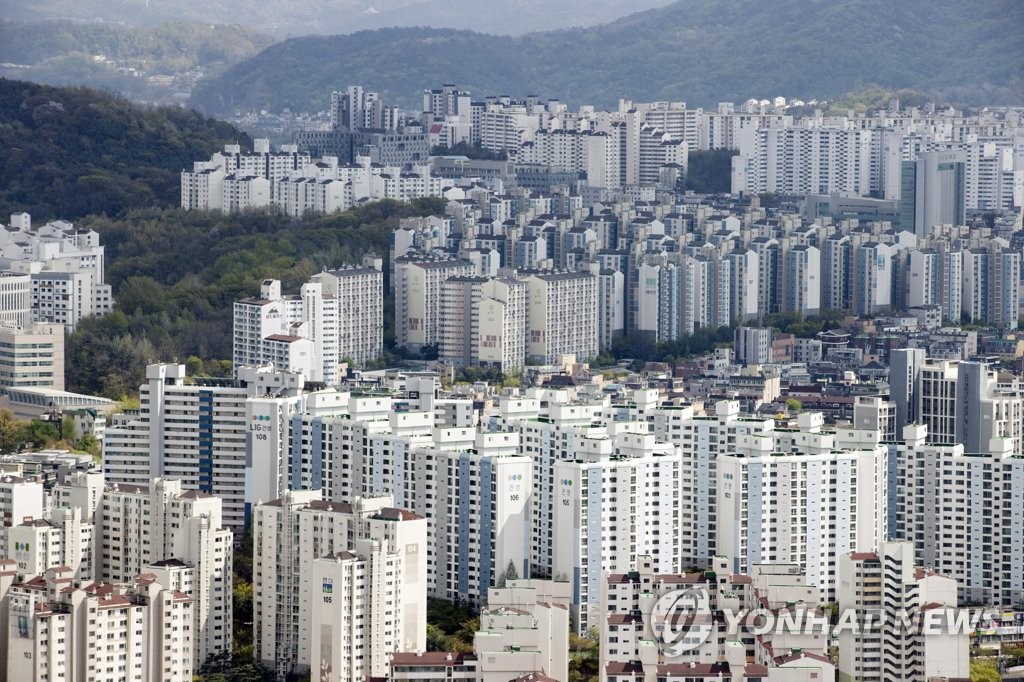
pixel 57 630
pixel 359 292
pixel 418 299
pixel 304 550
pixel 562 316
pixel 946 508
pixel 887 580
pixel 136 528
pixel 336 315
pixel 61 268
pixel 194 432
pixel 804 502
pixel 360 601
pixel 483 322
pixel 609 511
pixel 803 280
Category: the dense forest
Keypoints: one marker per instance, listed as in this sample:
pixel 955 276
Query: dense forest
pixel 176 274
pixel 695 51
pixel 709 172
pixel 72 152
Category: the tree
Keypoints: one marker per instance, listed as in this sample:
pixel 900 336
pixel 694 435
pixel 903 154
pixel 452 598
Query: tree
pixel 584 655
pixel 11 429
pixel 41 433
pixel 984 670
pixel 67 430
pixel 511 573
pixel 89 443
pixel 794 405
pixel 437 640
pixel 1013 655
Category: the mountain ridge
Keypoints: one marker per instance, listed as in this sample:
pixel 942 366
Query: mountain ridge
pixel 692 50
pixel 285 19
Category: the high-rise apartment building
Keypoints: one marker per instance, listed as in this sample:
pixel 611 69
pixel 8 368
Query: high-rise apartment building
pixel 54 273
pixel 804 502
pixel 196 432
pixel 483 322
pixel 562 316
pixel 316 563
pixel 607 511
pixel 961 510
pixel 55 629
pixel 337 315
pixel 418 299
pixel 32 356
pixel 904 645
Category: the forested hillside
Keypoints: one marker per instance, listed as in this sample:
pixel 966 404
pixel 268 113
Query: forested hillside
pixel 176 275
pixel 693 50
pixel 69 152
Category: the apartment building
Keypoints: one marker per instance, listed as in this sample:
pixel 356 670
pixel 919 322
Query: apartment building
pixel 803 500
pixel 637 643
pixel 523 635
pixel 561 316
pixel 196 432
pixel 888 581
pixel 961 510
pixel 418 298
pixel 32 356
pixel 316 563
pixel 20 499
pixel 116 532
pixel 58 630
pixel 62 268
pixel 483 322
pixel 609 510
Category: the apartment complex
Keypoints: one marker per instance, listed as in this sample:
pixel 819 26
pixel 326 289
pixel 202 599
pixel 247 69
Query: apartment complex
pixel 52 273
pixel 337 316
pixel 58 630
pixel 337 585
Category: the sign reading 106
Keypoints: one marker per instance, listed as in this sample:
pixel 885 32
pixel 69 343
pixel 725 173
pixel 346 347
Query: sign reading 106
pixel 514 486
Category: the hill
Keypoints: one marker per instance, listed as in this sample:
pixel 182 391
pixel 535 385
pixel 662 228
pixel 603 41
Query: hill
pixel 70 152
pixel 292 17
pixel 698 51
pixel 149 64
